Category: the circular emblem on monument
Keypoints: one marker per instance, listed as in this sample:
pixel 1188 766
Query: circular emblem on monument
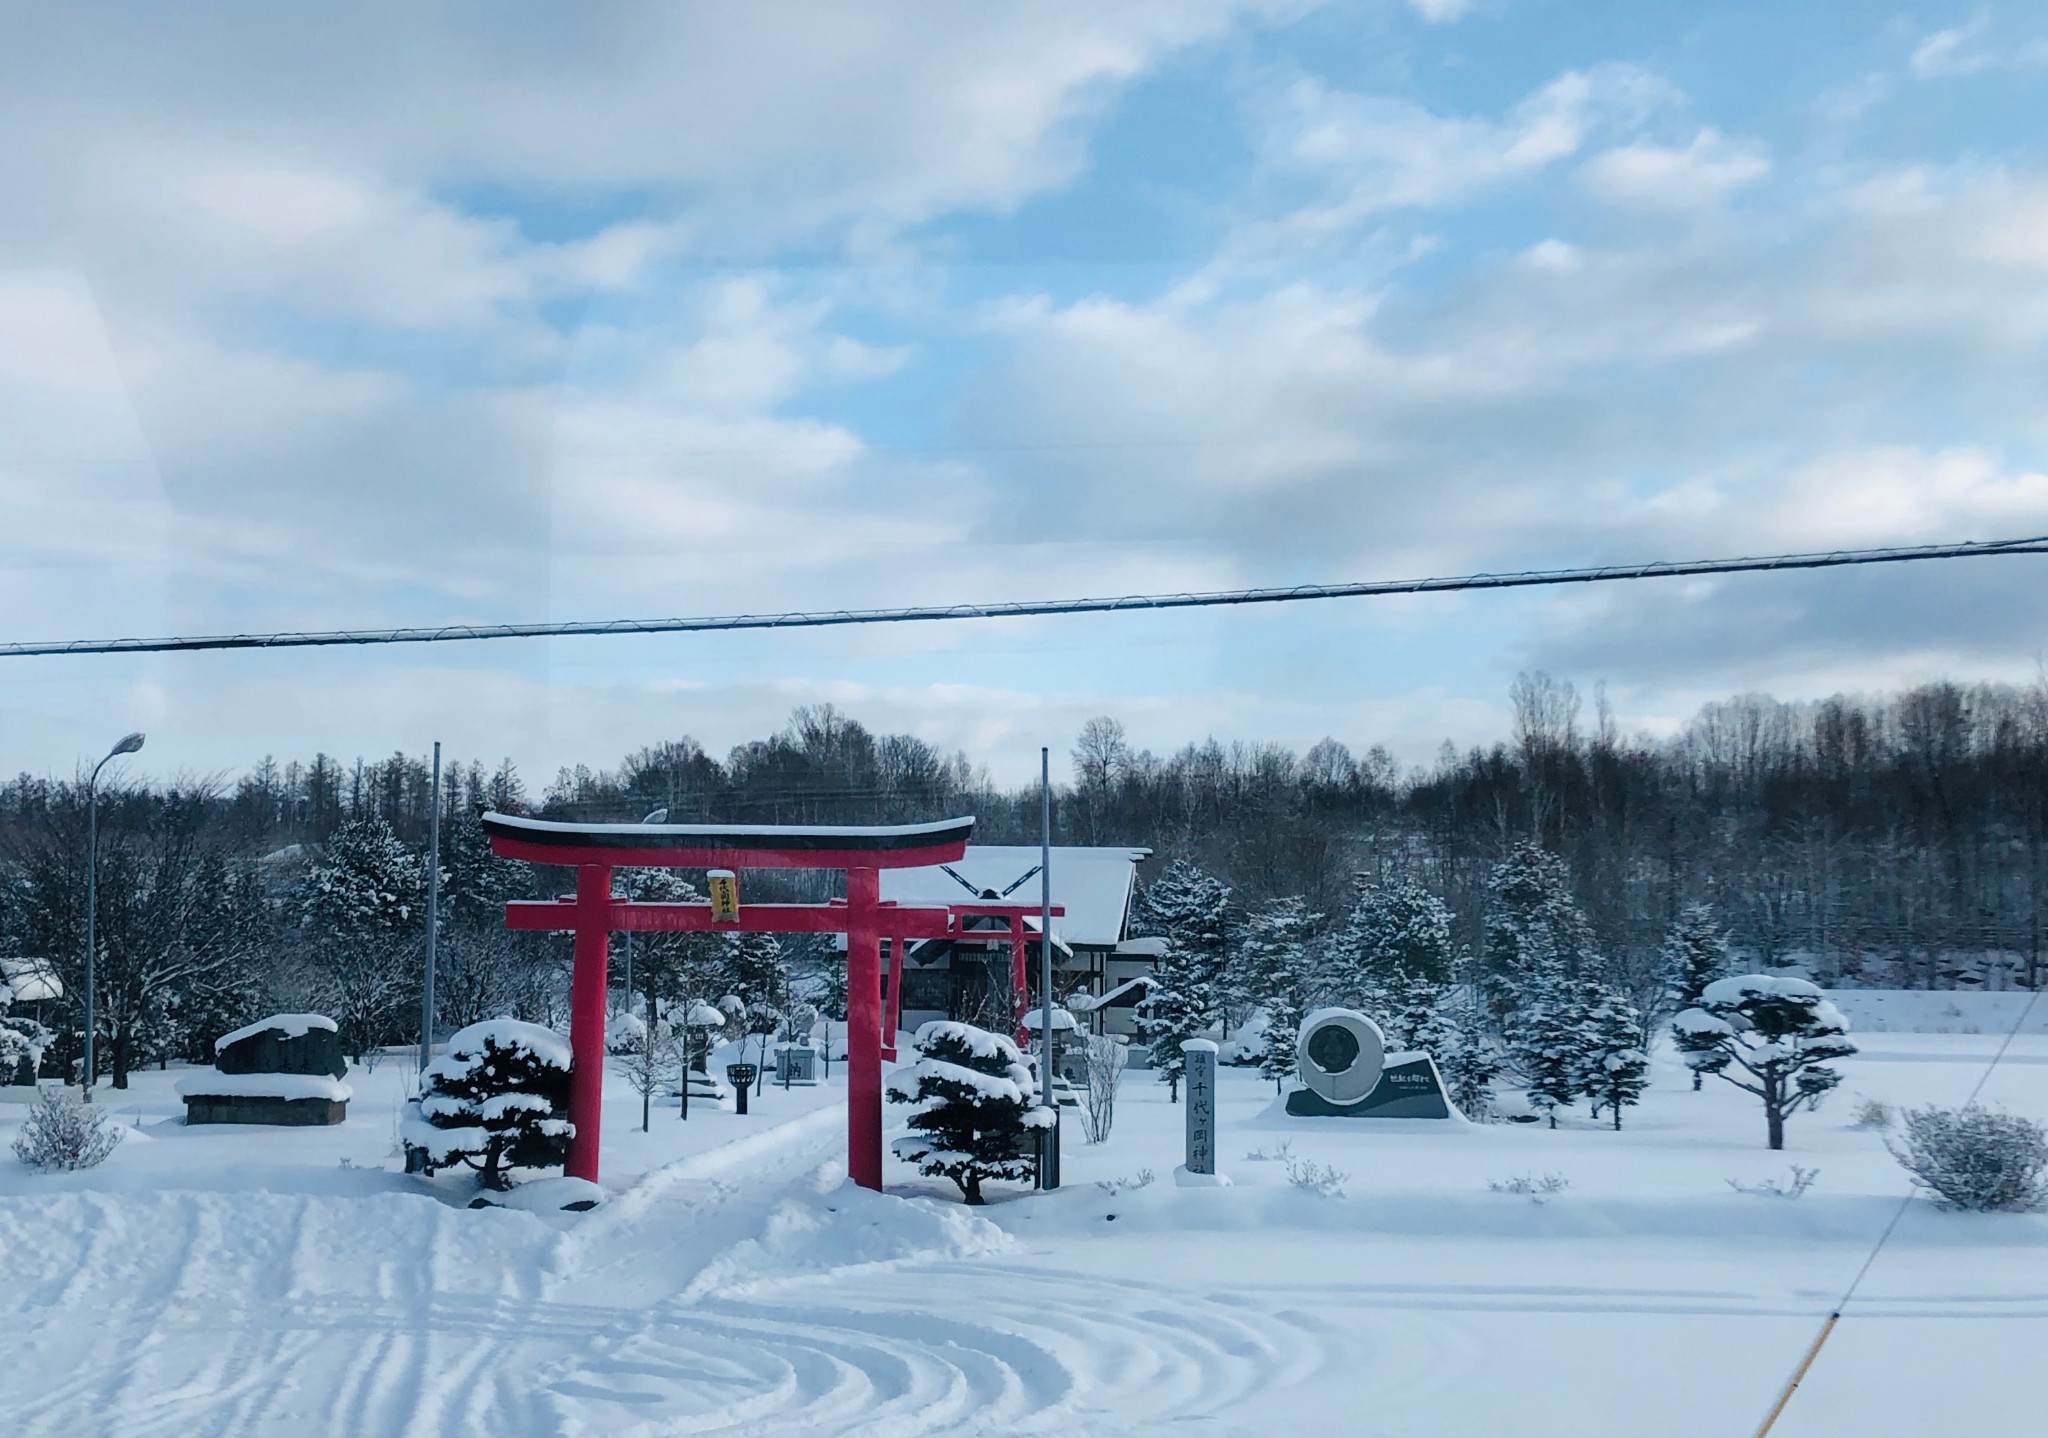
pixel 1339 1054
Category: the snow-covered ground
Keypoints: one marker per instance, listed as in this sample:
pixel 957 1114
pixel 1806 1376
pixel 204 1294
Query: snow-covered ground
pixel 292 1281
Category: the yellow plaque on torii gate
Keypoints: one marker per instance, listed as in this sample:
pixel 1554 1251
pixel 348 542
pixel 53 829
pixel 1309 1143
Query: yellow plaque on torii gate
pixel 725 895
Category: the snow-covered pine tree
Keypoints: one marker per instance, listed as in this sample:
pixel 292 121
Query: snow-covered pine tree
pixel 1285 1009
pixel 1534 928
pixel 1780 1033
pixel 973 1114
pixel 363 907
pixel 1394 930
pixel 1404 1006
pixel 756 968
pixel 498 1099
pixel 1176 1006
pixel 1454 1034
pixel 1613 1069
pixel 1543 1043
pixel 1277 967
pixel 1191 908
pixel 1695 954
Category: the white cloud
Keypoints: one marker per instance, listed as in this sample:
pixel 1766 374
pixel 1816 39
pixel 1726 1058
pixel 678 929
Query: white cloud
pixel 1702 174
pixel 1373 153
pixel 1442 12
pixel 1945 54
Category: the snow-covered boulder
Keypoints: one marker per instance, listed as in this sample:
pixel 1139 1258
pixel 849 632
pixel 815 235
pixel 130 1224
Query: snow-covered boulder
pixel 282 1044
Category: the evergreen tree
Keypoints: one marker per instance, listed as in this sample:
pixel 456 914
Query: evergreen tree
pixel 1285 1011
pixel 1454 1034
pixel 1405 1007
pixel 1176 1006
pixel 973 1116
pixel 1192 909
pixel 1278 953
pixel 1695 954
pixel 1534 928
pixel 1395 931
pixel 363 908
pixel 756 969
pixel 1543 1040
pixel 476 883
pixel 1779 1034
pixel 1614 1069
pixel 498 1099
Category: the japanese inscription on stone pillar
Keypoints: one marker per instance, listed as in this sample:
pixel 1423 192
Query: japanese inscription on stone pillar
pixel 1200 1081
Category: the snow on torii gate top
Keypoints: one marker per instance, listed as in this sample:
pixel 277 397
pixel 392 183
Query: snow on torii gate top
pixel 731 846
pixel 862 851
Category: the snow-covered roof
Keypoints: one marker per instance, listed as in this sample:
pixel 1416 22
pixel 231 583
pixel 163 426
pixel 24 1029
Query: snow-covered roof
pixel 1130 989
pixel 28 981
pixel 1094 885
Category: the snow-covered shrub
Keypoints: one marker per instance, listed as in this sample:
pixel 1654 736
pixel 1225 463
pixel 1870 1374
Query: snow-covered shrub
pixel 1106 1057
pixel 624 1033
pixel 1536 1190
pixel 652 1064
pixel 22 1042
pixel 1281 1151
pixel 1873 1113
pixel 1793 1187
pixel 1779 1034
pixel 499 1099
pixel 1317 1178
pixel 1141 1179
pixel 60 1132
pixel 971 1108
pixel 1975 1158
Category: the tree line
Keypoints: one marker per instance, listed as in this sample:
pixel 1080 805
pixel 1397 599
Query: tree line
pixel 1896 839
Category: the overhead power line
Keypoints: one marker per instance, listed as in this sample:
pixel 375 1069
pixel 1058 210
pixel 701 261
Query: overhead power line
pixel 1032 608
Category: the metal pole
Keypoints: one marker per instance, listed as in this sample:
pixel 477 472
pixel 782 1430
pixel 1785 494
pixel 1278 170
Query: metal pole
pixel 92 859
pixel 128 744
pixel 433 912
pixel 1050 1171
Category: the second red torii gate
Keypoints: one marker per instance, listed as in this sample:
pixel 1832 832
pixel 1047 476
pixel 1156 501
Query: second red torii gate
pixel 594 913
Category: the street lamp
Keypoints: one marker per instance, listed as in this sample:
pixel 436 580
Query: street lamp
pixel 128 745
pixel 659 816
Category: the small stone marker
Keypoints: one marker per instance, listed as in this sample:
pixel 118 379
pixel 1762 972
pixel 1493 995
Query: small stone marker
pixel 1199 1079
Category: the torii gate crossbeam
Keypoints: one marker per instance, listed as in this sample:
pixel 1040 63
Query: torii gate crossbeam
pixel 595 913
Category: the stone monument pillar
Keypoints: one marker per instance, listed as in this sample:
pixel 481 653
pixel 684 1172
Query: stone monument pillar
pixel 1198 1080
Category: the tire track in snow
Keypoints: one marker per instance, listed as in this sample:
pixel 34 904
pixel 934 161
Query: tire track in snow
pixel 875 1353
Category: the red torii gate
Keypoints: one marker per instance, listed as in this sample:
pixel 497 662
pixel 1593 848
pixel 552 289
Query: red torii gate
pixel 594 913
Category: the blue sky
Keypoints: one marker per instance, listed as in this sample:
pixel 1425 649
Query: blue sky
pixel 512 312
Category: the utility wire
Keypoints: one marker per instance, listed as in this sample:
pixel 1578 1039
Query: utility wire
pixel 1835 1314
pixel 1029 608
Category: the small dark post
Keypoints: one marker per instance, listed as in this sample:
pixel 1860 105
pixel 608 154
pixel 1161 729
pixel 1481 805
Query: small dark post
pixel 741 1077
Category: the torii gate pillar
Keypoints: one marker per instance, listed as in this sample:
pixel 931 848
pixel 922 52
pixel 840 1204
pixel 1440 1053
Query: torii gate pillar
pixel 863 1029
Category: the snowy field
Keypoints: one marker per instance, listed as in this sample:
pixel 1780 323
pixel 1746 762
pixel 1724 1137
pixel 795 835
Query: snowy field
pixel 292 1281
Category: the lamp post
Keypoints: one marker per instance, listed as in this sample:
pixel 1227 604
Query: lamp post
pixel 659 816
pixel 433 911
pixel 128 745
